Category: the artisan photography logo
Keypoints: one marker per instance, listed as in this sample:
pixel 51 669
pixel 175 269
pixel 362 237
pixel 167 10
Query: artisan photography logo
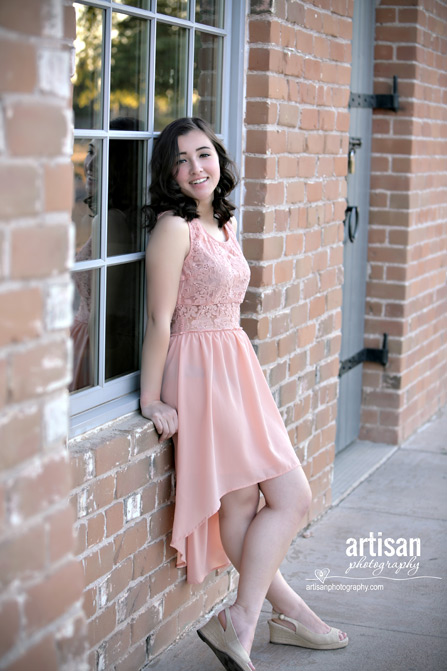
pixel 374 558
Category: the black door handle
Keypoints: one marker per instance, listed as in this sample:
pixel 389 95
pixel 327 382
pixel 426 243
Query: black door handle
pixel 352 220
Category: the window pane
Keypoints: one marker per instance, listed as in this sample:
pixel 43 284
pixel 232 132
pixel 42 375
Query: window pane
pixel 127 195
pixel 128 75
pixel 208 79
pixel 87 197
pixel 124 319
pixel 142 4
pixel 210 12
pixel 170 74
pixel 178 8
pixel 87 81
pixel 84 331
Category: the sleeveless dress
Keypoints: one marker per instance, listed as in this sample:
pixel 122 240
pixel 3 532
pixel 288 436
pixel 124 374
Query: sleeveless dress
pixel 230 432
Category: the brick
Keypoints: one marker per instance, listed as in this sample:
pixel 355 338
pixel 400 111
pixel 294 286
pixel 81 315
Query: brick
pixel 53 245
pixel 161 521
pixel 53 596
pixel 114 518
pixel 95 529
pixel 132 477
pixel 19 190
pixel 40 487
pixel 22 555
pixel 41 655
pixel 60 537
pixel 98 563
pixel 119 579
pixel 134 659
pixel 71 642
pixel 111 452
pixel 116 646
pixel 21 315
pixel 36 129
pixel 100 493
pixel 20 75
pixel 9 625
pixel 130 541
pixel 261 112
pixel 20 436
pixel 39 369
pixel 147 559
pixel 101 626
pixel 161 579
pixel 136 597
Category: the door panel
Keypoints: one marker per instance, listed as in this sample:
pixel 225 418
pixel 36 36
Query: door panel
pixel 356 244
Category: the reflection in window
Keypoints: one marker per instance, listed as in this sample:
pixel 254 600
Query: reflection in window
pixel 170 74
pixel 141 4
pixel 84 331
pixel 178 8
pixel 87 97
pixel 210 12
pixel 124 319
pixel 87 197
pixel 127 190
pixel 128 74
pixel 208 78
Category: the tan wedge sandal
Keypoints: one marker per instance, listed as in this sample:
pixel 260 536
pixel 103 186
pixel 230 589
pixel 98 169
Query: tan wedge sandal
pixel 302 636
pixel 225 644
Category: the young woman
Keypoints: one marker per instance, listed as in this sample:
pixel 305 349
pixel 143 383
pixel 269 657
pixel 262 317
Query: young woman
pixel 201 383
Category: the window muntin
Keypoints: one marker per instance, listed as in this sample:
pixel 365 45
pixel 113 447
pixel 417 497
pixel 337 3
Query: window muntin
pixel 139 65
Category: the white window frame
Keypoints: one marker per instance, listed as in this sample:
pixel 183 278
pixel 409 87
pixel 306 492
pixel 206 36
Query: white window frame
pixel 94 407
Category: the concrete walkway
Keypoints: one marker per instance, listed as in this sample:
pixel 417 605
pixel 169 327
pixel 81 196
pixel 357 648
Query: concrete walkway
pixel 401 624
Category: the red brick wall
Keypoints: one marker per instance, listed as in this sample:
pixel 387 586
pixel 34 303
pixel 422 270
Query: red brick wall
pixel 136 601
pixel 406 294
pixel 295 151
pixel 42 625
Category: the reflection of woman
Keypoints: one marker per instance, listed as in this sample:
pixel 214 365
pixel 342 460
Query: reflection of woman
pixel 122 232
pixel 202 384
pixel 82 366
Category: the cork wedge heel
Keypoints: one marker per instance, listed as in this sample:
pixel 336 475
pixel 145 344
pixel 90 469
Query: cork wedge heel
pixel 302 636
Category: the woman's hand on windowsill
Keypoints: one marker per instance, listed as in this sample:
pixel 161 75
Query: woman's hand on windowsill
pixel 163 416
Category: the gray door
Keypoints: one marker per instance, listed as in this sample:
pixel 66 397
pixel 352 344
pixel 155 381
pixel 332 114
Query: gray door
pixel 356 224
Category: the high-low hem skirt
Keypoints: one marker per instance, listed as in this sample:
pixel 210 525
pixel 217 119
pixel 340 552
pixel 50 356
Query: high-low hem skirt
pixel 230 436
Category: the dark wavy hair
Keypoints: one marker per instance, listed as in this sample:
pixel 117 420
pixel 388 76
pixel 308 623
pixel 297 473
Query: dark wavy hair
pixel 165 193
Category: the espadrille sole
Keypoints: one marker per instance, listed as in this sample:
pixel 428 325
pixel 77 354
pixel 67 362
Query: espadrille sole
pixel 281 635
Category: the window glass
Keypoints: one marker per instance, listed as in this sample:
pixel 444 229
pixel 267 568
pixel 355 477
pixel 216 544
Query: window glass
pixel 87 197
pixel 170 74
pixel 178 8
pixel 208 78
pixel 141 4
pixel 87 81
pixel 128 74
pixel 126 194
pixel 124 314
pixel 84 330
pixel 210 12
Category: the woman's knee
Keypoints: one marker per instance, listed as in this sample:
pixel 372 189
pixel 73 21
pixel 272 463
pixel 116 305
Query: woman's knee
pixel 290 494
pixel 242 502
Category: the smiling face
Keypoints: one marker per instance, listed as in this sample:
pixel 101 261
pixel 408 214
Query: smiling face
pixel 197 170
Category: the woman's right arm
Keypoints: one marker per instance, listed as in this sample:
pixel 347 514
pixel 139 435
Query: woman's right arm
pixel 167 249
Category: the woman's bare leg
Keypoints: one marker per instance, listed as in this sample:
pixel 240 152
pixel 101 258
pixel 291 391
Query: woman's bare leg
pixel 256 544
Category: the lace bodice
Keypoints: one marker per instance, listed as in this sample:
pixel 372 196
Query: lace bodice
pixel 213 283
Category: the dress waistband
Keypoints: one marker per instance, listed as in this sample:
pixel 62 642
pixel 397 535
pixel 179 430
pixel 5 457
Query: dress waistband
pixel 205 318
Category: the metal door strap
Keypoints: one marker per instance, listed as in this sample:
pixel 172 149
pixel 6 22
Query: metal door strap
pixel 366 354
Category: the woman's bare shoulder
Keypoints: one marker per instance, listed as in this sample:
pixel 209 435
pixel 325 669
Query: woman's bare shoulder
pixel 170 231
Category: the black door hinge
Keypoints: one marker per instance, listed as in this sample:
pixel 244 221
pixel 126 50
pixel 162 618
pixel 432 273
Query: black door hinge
pixel 366 354
pixel 383 101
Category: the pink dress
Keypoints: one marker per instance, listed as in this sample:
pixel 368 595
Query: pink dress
pixel 230 433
